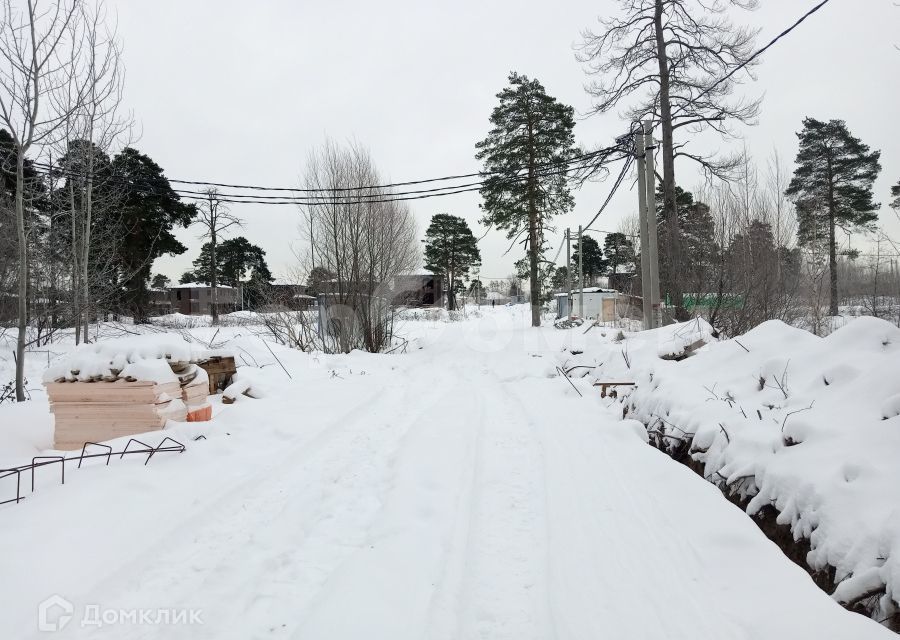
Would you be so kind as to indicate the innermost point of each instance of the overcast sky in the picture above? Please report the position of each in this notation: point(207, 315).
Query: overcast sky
point(239, 92)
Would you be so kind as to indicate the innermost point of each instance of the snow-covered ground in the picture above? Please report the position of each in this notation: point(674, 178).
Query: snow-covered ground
point(462, 489)
point(780, 417)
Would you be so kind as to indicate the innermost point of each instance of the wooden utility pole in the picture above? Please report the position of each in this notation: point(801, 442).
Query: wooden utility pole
point(639, 153)
point(580, 275)
point(649, 147)
point(569, 273)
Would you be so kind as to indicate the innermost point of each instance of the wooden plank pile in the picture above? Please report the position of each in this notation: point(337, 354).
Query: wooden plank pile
point(111, 406)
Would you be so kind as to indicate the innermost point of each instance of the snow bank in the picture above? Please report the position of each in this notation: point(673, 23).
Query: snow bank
point(133, 357)
point(781, 417)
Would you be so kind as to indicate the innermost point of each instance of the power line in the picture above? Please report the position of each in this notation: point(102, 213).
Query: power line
point(612, 191)
point(598, 157)
point(580, 158)
point(756, 54)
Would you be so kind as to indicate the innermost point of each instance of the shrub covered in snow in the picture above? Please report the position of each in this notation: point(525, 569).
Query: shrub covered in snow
point(780, 417)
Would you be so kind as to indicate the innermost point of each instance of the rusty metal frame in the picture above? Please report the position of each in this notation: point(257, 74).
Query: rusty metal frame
point(43, 461)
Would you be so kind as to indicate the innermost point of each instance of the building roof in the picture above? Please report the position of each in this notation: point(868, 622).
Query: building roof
point(594, 290)
point(199, 285)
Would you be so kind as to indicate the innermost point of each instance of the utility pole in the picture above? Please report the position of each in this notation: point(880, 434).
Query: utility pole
point(569, 273)
point(649, 147)
point(477, 286)
point(646, 303)
point(580, 275)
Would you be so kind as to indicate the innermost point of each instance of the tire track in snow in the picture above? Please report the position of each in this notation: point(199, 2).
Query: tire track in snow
point(623, 539)
point(227, 538)
point(446, 602)
point(506, 563)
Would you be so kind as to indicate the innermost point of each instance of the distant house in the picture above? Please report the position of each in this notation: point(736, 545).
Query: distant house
point(160, 302)
point(418, 290)
point(290, 297)
point(195, 298)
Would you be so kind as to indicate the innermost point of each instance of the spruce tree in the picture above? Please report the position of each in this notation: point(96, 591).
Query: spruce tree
point(832, 187)
point(525, 182)
point(619, 251)
point(450, 251)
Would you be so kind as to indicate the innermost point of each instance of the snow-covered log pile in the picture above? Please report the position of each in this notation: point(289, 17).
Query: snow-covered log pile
point(779, 417)
point(124, 387)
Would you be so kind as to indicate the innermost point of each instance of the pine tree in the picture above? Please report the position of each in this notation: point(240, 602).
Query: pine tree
point(593, 264)
point(619, 251)
point(450, 251)
point(160, 281)
point(560, 278)
point(832, 187)
point(895, 193)
point(236, 259)
point(525, 183)
point(150, 210)
point(699, 248)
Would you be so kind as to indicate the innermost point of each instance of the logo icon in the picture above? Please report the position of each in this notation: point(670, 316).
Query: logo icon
point(54, 613)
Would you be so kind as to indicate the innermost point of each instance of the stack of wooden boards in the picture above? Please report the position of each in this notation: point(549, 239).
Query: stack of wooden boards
point(111, 407)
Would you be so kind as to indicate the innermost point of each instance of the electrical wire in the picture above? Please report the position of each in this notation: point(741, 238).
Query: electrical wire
point(547, 165)
point(753, 57)
point(355, 198)
point(612, 191)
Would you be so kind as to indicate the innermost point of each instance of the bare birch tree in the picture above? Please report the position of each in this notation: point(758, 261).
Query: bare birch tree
point(92, 131)
point(36, 41)
point(215, 219)
point(361, 236)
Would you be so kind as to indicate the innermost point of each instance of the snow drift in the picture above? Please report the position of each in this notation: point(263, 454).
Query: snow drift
point(808, 425)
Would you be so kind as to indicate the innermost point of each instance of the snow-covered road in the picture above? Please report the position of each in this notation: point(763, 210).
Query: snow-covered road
point(458, 491)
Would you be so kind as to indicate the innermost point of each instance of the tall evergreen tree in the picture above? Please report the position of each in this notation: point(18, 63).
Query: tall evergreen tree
point(832, 187)
point(450, 251)
point(525, 183)
point(699, 248)
point(895, 194)
point(560, 278)
point(619, 251)
point(236, 260)
point(150, 211)
point(593, 263)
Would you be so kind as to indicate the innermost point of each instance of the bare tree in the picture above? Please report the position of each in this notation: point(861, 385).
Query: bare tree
point(92, 130)
point(364, 238)
point(36, 42)
point(215, 219)
point(670, 55)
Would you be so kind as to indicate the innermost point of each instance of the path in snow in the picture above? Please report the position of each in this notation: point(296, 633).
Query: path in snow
point(456, 492)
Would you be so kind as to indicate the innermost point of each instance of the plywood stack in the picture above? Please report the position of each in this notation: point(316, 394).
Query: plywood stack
point(194, 392)
point(125, 387)
point(97, 411)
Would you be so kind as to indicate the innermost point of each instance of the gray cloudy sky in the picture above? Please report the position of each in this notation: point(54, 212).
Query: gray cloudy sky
point(239, 92)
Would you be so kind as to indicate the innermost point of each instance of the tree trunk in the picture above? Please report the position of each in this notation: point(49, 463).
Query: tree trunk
point(533, 249)
point(86, 239)
point(212, 277)
point(832, 245)
point(670, 211)
point(23, 275)
point(832, 265)
point(451, 295)
point(76, 271)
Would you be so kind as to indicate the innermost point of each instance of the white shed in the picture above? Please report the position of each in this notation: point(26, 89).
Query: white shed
point(599, 303)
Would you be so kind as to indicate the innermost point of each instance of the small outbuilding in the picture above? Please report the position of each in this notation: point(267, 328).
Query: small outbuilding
point(599, 304)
